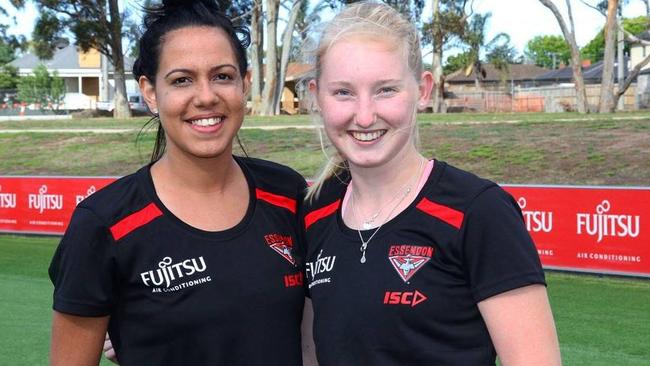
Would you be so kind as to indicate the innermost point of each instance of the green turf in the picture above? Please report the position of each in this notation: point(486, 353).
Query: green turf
point(25, 300)
point(600, 320)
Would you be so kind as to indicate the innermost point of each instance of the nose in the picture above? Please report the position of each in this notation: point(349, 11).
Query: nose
point(365, 115)
point(206, 94)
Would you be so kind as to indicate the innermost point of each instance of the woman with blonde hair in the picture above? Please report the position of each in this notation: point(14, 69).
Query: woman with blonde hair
point(409, 261)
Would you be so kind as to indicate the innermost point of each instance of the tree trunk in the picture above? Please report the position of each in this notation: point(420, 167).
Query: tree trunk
point(271, 64)
point(622, 87)
point(257, 51)
point(620, 45)
point(606, 103)
point(287, 40)
point(576, 66)
point(647, 7)
point(436, 63)
point(122, 109)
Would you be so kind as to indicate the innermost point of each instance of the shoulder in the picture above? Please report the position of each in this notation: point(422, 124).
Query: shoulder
point(269, 175)
point(119, 199)
point(458, 188)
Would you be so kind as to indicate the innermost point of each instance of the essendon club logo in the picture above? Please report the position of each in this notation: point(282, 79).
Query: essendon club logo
point(282, 244)
point(408, 259)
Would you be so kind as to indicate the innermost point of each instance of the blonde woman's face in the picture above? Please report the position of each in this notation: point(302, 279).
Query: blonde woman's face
point(368, 98)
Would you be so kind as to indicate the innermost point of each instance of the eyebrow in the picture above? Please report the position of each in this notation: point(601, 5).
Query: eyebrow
point(379, 82)
point(189, 71)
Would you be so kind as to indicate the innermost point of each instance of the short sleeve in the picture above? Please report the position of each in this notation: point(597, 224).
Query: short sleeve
point(498, 253)
point(83, 267)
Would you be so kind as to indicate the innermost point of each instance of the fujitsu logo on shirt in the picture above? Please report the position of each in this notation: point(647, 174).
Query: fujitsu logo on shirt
point(43, 201)
point(320, 265)
point(536, 221)
point(168, 272)
point(602, 224)
point(7, 200)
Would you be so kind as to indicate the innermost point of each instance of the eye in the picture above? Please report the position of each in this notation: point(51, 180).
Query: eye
point(387, 91)
point(181, 81)
point(341, 93)
point(223, 77)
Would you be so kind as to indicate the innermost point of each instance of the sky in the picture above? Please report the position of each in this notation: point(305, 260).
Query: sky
point(521, 19)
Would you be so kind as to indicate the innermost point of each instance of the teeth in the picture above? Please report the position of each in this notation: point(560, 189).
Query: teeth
point(367, 136)
point(207, 121)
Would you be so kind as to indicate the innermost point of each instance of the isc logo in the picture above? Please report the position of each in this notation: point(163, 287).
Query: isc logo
point(404, 298)
point(292, 280)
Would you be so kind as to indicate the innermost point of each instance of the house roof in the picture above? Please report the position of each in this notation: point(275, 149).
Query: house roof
point(63, 58)
point(518, 72)
point(645, 35)
point(591, 74)
point(296, 71)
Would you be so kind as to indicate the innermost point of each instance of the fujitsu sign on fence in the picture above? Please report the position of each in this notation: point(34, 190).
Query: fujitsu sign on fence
point(43, 205)
point(592, 229)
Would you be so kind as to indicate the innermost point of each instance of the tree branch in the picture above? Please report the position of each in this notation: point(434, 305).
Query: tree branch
point(632, 75)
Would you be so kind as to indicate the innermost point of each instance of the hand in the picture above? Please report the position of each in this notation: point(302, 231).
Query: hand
point(109, 351)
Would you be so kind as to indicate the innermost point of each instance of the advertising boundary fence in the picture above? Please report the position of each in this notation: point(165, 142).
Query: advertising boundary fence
point(594, 229)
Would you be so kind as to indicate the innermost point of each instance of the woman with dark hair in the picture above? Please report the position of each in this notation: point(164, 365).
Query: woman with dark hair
point(190, 260)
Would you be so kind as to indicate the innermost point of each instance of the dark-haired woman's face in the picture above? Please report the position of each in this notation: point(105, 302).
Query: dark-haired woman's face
point(199, 92)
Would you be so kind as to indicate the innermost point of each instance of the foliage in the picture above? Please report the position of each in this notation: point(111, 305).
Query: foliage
point(548, 51)
point(448, 27)
point(41, 88)
point(456, 62)
point(595, 49)
point(8, 77)
point(474, 38)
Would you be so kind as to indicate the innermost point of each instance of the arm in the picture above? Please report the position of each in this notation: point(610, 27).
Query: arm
point(77, 340)
point(521, 326)
point(308, 346)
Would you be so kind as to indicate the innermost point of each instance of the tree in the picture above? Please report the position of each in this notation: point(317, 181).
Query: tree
point(474, 38)
point(576, 65)
point(95, 24)
point(41, 88)
point(446, 26)
point(595, 49)
point(606, 103)
point(456, 62)
point(548, 51)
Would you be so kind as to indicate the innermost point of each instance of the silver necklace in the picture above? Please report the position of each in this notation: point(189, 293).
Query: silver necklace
point(367, 223)
point(364, 243)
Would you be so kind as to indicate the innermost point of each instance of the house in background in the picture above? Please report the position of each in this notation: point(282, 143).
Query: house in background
point(558, 90)
point(638, 52)
point(495, 91)
point(88, 76)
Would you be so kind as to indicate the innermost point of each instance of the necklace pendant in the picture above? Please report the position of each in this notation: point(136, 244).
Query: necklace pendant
point(366, 225)
point(363, 258)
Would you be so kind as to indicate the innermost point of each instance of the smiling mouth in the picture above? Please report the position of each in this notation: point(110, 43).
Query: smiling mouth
point(367, 136)
point(206, 122)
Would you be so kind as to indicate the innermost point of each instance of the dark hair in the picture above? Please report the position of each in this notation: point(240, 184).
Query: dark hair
point(172, 15)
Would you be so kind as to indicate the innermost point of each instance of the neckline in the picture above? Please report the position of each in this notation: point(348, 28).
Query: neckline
point(430, 182)
point(146, 181)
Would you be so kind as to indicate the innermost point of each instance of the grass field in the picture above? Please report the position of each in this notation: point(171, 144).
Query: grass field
point(600, 320)
point(508, 148)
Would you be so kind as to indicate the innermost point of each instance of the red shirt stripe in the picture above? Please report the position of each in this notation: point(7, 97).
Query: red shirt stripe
point(321, 213)
point(277, 200)
point(135, 220)
point(447, 214)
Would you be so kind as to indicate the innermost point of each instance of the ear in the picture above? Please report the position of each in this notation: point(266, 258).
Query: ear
point(148, 91)
point(247, 82)
point(425, 87)
point(312, 86)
